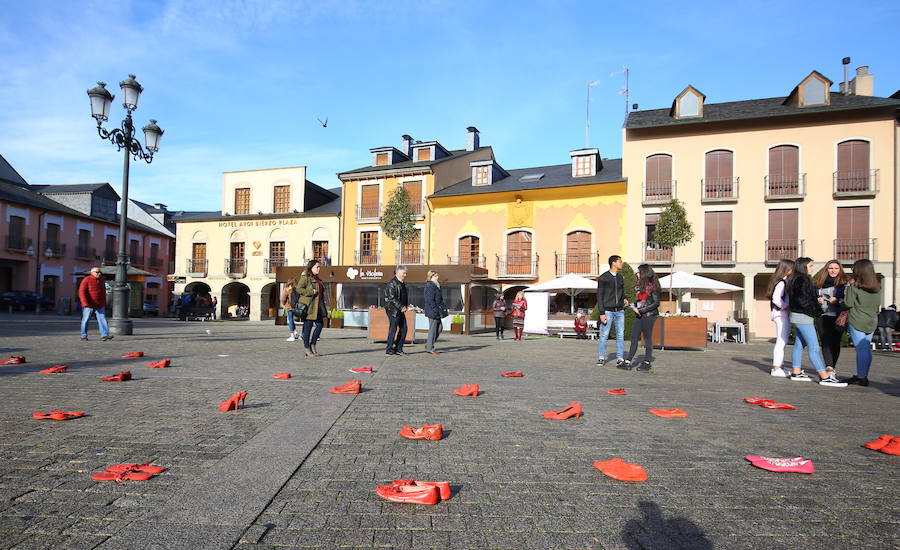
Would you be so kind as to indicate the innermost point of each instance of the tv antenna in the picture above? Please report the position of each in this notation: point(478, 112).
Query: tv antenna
point(625, 90)
point(587, 114)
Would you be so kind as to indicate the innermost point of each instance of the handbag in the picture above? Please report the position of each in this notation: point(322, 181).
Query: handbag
point(841, 320)
point(298, 308)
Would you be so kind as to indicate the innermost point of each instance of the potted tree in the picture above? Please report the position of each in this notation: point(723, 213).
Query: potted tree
point(337, 318)
point(456, 324)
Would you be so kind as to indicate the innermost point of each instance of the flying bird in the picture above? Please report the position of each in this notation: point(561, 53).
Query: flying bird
point(324, 124)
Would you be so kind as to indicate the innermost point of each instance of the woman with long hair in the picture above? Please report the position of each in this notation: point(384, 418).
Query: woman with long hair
point(831, 282)
point(519, 305)
point(312, 295)
point(805, 304)
point(781, 311)
point(435, 310)
point(862, 300)
point(288, 297)
point(499, 309)
point(646, 310)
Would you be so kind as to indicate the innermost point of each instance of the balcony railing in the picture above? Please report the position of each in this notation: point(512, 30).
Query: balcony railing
point(368, 213)
point(783, 249)
point(418, 209)
point(368, 257)
point(155, 261)
point(659, 191)
point(55, 249)
point(410, 255)
point(719, 189)
point(85, 253)
point(274, 263)
point(579, 264)
point(17, 243)
point(779, 187)
point(517, 266)
point(719, 252)
point(196, 267)
point(472, 259)
point(236, 267)
point(137, 259)
point(655, 254)
point(850, 250)
point(855, 183)
point(109, 256)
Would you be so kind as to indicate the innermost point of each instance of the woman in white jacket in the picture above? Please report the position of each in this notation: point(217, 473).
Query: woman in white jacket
point(778, 303)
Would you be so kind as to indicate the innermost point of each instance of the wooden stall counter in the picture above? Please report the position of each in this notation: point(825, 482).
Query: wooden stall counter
point(680, 332)
point(378, 325)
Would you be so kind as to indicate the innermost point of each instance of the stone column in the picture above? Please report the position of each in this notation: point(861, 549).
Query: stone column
point(749, 303)
point(255, 306)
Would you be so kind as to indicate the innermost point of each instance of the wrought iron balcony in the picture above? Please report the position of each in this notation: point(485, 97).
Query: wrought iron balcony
point(137, 259)
point(719, 189)
point(274, 263)
point(17, 243)
point(517, 266)
point(783, 249)
point(109, 256)
point(719, 252)
point(85, 253)
point(55, 249)
point(587, 265)
point(855, 183)
point(368, 213)
point(368, 257)
point(658, 191)
point(848, 251)
point(236, 268)
point(196, 267)
point(410, 255)
point(779, 187)
point(471, 259)
point(418, 209)
point(155, 261)
point(657, 255)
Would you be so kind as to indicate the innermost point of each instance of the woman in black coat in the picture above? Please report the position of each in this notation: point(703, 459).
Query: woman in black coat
point(435, 310)
point(646, 310)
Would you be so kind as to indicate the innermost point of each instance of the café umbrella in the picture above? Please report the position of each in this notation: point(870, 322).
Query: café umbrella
point(570, 283)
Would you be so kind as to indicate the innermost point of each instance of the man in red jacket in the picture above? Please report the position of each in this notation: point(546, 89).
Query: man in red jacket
point(92, 295)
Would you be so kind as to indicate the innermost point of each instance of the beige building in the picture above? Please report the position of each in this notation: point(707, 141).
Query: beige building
point(812, 173)
point(269, 218)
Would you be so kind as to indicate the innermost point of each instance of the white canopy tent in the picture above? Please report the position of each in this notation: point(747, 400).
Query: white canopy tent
point(682, 282)
point(570, 283)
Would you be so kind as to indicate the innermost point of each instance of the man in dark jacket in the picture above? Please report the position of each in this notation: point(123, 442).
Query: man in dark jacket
point(396, 300)
point(611, 303)
point(92, 295)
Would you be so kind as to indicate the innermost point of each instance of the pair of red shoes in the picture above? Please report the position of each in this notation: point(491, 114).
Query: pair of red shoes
point(620, 391)
point(55, 370)
point(14, 360)
point(118, 377)
point(281, 375)
point(352, 387)
point(58, 415)
point(513, 374)
point(769, 403)
point(617, 468)
point(573, 409)
point(886, 444)
point(128, 472)
point(233, 402)
point(161, 364)
point(415, 492)
point(133, 354)
point(467, 390)
point(669, 413)
point(433, 432)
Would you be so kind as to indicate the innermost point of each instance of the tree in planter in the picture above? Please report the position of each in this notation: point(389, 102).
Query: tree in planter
point(673, 229)
point(397, 219)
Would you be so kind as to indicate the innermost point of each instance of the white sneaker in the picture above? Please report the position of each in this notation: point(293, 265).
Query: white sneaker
point(779, 373)
point(291, 338)
point(802, 377)
point(832, 381)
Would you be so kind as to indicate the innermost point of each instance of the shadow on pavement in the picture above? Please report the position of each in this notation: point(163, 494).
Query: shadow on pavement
point(652, 532)
point(758, 364)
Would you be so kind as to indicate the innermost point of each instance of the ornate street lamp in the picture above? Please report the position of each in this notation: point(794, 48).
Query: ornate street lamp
point(123, 138)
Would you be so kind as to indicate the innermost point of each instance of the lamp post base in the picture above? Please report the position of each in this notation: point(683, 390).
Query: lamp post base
point(120, 327)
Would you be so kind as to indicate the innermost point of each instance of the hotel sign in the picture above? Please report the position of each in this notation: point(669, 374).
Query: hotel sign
point(258, 223)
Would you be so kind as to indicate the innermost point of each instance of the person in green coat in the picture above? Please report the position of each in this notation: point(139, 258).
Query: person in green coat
point(863, 300)
point(313, 296)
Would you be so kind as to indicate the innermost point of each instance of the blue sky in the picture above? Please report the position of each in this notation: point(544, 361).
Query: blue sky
point(238, 85)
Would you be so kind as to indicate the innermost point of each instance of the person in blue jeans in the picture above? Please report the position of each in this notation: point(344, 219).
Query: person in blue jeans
point(92, 295)
point(611, 303)
point(862, 299)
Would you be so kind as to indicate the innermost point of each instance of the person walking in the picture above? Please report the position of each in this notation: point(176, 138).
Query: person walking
point(215, 306)
point(805, 304)
point(289, 297)
point(611, 303)
point(862, 300)
point(435, 310)
point(781, 314)
point(396, 301)
point(314, 300)
point(499, 308)
point(519, 307)
point(646, 310)
point(92, 295)
point(887, 320)
point(831, 282)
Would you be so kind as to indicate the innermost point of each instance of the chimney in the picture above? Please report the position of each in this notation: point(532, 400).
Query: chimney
point(160, 206)
point(845, 85)
point(473, 142)
point(863, 83)
point(407, 145)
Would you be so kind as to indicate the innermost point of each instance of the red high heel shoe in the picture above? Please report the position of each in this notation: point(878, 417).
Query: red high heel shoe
point(620, 391)
point(118, 377)
point(133, 354)
point(14, 360)
point(879, 443)
point(467, 390)
point(617, 468)
point(54, 370)
point(443, 486)
point(411, 494)
point(57, 415)
point(513, 374)
point(574, 409)
point(351, 387)
point(120, 476)
point(361, 370)
point(145, 467)
point(772, 405)
point(669, 413)
point(434, 432)
point(161, 364)
point(892, 447)
point(233, 402)
point(281, 375)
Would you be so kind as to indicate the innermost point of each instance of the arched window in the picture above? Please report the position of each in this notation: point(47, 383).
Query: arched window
point(469, 250)
point(658, 178)
point(718, 181)
point(518, 253)
point(853, 172)
point(578, 252)
point(784, 170)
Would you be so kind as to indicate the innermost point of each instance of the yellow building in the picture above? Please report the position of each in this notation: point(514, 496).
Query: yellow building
point(533, 224)
point(812, 173)
point(422, 168)
point(269, 218)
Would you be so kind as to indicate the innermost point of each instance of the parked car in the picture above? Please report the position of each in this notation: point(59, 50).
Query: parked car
point(150, 308)
point(24, 299)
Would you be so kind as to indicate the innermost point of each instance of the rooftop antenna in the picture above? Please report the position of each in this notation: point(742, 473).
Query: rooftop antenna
point(846, 86)
point(587, 114)
point(625, 90)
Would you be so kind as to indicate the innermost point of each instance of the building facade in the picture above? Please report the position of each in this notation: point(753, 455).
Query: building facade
point(270, 218)
point(812, 173)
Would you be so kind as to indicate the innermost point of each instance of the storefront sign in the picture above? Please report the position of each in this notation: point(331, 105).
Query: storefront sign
point(176, 280)
point(258, 223)
point(364, 274)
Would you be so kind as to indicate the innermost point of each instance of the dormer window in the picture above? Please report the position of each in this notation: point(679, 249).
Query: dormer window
point(812, 91)
point(382, 159)
point(585, 162)
point(384, 156)
point(482, 175)
point(423, 153)
point(689, 103)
